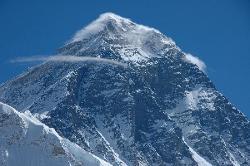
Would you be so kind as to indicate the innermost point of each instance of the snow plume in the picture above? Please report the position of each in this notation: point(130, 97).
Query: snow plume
point(68, 58)
point(97, 26)
point(195, 60)
point(122, 25)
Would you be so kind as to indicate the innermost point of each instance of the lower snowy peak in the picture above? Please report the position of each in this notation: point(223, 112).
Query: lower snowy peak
point(25, 141)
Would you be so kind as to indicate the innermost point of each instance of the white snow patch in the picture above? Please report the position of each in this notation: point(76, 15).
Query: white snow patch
point(133, 54)
point(231, 156)
point(200, 160)
point(198, 98)
point(192, 98)
point(233, 160)
point(107, 133)
point(109, 93)
point(116, 155)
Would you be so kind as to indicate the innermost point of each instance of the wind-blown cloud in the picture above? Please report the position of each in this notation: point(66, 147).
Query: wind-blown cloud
point(195, 60)
point(67, 58)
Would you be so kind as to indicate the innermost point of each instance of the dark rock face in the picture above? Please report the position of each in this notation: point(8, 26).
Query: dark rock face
point(159, 110)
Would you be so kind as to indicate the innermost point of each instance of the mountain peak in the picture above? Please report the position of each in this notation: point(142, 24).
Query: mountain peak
point(134, 42)
point(103, 21)
point(113, 23)
point(112, 16)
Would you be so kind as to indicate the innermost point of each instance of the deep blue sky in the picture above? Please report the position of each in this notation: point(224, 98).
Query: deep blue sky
point(217, 31)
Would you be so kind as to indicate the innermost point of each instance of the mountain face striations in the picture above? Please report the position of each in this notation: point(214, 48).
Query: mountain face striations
point(140, 102)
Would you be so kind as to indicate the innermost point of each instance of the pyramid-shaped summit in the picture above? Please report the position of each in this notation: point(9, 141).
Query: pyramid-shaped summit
point(160, 110)
point(107, 21)
point(119, 36)
point(111, 23)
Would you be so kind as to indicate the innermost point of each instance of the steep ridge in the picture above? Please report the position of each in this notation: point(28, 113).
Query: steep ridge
point(161, 109)
point(26, 141)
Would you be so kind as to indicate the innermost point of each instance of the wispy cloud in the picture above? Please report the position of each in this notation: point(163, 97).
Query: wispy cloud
point(195, 60)
point(67, 58)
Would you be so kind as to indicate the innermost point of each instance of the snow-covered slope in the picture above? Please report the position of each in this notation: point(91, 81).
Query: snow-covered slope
point(161, 109)
point(25, 141)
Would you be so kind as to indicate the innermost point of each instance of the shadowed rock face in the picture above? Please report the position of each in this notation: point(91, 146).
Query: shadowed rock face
point(160, 110)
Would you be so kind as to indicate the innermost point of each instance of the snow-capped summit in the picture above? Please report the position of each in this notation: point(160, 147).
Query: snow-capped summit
point(160, 110)
point(111, 22)
point(104, 20)
point(133, 42)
